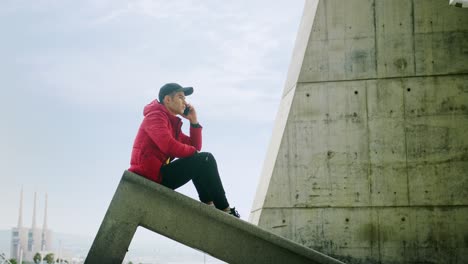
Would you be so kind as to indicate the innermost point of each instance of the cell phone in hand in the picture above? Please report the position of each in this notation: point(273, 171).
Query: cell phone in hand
point(186, 111)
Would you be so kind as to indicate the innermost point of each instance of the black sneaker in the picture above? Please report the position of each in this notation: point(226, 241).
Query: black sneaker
point(233, 212)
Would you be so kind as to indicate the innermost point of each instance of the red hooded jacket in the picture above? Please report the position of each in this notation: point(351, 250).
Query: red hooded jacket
point(160, 138)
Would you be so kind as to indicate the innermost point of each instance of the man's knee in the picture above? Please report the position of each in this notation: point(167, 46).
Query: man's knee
point(206, 157)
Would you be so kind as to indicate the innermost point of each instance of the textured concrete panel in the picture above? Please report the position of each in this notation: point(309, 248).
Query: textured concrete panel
point(439, 95)
point(389, 185)
point(341, 45)
point(387, 151)
point(432, 16)
point(317, 146)
point(437, 139)
point(439, 183)
point(394, 27)
point(385, 99)
point(440, 38)
point(376, 235)
point(387, 148)
point(346, 229)
point(441, 53)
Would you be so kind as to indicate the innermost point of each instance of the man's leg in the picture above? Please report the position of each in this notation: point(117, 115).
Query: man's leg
point(202, 169)
point(178, 173)
point(209, 176)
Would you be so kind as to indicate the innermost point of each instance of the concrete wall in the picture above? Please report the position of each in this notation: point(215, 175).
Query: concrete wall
point(369, 158)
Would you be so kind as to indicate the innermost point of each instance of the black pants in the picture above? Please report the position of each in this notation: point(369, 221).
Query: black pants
point(202, 169)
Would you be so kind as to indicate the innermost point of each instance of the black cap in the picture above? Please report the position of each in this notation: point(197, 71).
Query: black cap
point(169, 88)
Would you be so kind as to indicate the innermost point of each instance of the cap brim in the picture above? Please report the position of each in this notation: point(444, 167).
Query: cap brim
point(187, 90)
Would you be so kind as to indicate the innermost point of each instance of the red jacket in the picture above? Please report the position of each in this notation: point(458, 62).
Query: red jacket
point(160, 138)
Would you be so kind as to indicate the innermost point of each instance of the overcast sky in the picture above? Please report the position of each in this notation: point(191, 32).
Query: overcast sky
point(75, 76)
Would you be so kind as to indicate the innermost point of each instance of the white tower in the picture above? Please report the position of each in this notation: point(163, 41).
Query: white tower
point(26, 242)
point(18, 234)
point(31, 232)
point(34, 212)
point(34, 235)
point(45, 236)
point(20, 213)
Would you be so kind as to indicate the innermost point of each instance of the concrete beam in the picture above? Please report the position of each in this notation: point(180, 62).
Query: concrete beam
point(140, 202)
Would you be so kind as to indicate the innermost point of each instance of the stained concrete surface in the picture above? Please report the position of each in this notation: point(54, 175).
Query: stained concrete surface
point(368, 161)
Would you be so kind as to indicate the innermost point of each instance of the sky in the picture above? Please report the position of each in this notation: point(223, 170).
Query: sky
point(75, 76)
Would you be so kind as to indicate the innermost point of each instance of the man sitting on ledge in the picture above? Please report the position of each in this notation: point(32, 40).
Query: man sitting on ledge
point(160, 140)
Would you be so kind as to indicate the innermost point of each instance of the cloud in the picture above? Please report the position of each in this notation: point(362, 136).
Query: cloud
point(95, 81)
point(119, 53)
point(153, 9)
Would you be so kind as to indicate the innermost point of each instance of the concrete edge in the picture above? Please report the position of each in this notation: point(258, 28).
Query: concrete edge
point(219, 216)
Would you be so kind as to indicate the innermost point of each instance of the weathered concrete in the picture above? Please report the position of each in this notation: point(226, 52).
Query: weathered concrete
point(140, 202)
point(368, 161)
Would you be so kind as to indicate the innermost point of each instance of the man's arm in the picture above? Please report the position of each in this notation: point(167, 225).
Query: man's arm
point(157, 127)
point(195, 138)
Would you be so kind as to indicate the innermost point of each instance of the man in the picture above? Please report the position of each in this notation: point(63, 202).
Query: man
point(160, 140)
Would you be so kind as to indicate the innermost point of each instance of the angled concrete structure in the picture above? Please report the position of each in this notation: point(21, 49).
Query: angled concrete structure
point(369, 156)
point(140, 202)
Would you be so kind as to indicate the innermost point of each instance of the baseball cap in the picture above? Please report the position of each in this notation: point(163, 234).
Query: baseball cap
point(169, 88)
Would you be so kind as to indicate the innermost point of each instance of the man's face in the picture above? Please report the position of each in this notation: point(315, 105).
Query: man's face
point(175, 104)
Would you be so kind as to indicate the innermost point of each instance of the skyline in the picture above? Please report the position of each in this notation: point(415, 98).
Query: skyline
point(35, 212)
point(77, 76)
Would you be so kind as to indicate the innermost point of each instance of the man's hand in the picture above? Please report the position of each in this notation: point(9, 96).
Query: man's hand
point(192, 115)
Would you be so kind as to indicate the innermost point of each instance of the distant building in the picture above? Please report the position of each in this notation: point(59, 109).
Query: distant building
point(26, 242)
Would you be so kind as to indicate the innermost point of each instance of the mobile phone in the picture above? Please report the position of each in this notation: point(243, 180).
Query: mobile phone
point(186, 111)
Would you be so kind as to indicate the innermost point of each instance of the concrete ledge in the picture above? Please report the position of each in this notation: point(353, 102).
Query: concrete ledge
point(140, 202)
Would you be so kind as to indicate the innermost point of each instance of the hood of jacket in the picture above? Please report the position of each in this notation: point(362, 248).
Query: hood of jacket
point(155, 106)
